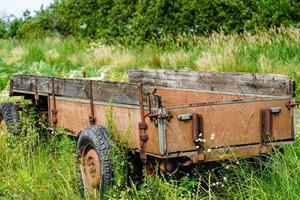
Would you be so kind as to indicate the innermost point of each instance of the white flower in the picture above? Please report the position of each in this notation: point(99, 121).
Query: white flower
point(225, 178)
point(208, 150)
point(83, 26)
point(212, 137)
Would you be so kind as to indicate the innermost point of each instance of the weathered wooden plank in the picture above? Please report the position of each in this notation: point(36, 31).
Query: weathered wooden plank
point(246, 83)
point(114, 92)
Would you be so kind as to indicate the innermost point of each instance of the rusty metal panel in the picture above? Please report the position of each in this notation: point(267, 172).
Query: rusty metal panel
point(73, 114)
point(172, 96)
point(228, 125)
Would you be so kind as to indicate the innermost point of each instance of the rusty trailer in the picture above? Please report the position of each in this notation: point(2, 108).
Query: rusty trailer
point(176, 118)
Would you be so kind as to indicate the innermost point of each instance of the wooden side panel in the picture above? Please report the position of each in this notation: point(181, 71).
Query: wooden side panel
point(228, 124)
point(73, 115)
point(115, 92)
point(265, 84)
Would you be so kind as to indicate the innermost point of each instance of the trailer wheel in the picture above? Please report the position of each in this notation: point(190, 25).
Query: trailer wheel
point(93, 151)
point(9, 113)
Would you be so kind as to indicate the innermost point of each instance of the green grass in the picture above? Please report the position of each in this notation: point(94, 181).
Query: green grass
point(35, 166)
point(39, 165)
point(275, 51)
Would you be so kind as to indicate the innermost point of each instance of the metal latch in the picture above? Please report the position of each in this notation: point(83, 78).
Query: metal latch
point(275, 110)
point(267, 123)
point(197, 127)
point(184, 117)
point(292, 104)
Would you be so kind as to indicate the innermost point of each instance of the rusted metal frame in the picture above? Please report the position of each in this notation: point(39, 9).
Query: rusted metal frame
point(96, 102)
point(36, 92)
point(92, 118)
point(267, 124)
point(266, 120)
point(11, 88)
point(220, 92)
point(293, 88)
point(291, 106)
point(162, 131)
point(204, 156)
point(226, 102)
point(53, 111)
point(292, 103)
point(142, 125)
point(163, 115)
point(197, 126)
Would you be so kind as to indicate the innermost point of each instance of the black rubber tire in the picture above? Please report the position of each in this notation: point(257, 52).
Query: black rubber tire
point(9, 113)
point(96, 136)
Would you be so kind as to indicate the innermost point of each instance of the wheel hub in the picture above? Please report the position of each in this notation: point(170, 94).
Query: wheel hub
point(90, 169)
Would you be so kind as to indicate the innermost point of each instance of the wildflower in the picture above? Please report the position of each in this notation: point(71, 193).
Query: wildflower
point(201, 140)
point(225, 178)
point(212, 137)
point(83, 26)
point(208, 150)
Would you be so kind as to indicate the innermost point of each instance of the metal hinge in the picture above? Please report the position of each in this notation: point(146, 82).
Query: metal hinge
point(292, 104)
point(155, 116)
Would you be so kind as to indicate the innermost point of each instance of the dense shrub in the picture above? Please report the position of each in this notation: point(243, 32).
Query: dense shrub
point(2, 29)
point(142, 20)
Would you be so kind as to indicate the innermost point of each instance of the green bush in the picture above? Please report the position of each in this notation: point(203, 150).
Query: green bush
point(143, 20)
point(2, 29)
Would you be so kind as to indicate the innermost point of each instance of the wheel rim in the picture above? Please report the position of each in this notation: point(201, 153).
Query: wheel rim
point(90, 169)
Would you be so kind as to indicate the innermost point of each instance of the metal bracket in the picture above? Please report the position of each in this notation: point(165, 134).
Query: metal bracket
point(155, 116)
point(92, 117)
point(267, 123)
point(293, 103)
point(11, 88)
point(54, 111)
point(142, 125)
point(161, 129)
point(197, 127)
point(293, 88)
point(266, 117)
point(36, 94)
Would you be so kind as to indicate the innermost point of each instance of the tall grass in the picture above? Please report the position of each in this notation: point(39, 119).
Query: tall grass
point(35, 164)
point(273, 51)
point(38, 165)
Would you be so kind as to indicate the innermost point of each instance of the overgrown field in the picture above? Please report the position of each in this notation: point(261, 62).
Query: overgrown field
point(37, 165)
point(275, 51)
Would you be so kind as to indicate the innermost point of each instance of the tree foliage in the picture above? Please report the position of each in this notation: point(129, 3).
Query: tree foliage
point(142, 20)
point(2, 29)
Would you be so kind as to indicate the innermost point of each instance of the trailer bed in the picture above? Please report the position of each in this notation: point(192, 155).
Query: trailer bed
point(199, 116)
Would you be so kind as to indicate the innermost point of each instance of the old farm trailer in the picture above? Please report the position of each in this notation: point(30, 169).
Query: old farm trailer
point(175, 118)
